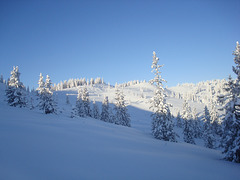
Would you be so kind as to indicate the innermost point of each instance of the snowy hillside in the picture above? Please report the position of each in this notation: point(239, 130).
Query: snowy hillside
point(137, 98)
point(39, 146)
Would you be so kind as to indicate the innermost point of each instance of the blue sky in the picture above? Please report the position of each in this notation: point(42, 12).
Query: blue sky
point(115, 39)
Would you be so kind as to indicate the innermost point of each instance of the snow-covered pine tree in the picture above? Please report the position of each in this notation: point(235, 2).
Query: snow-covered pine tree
point(86, 102)
point(216, 126)
point(79, 108)
point(105, 110)
point(188, 130)
point(179, 120)
point(15, 91)
point(162, 125)
point(111, 115)
point(228, 106)
point(41, 84)
point(121, 115)
point(232, 143)
point(236, 69)
point(208, 135)
point(196, 124)
point(48, 83)
point(91, 81)
point(232, 148)
point(46, 102)
point(228, 101)
point(95, 113)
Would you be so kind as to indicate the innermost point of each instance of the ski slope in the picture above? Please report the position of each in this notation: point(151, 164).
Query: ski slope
point(39, 146)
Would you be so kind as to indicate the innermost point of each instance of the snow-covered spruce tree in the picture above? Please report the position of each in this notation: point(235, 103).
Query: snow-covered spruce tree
point(208, 135)
point(216, 126)
point(196, 124)
point(95, 113)
point(162, 125)
point(179, 120)
point(236, 69)
point(41, 84)
point(232, 148)
point(121, 115)
point(79, 108)
point(228, 106)
point(232, 143)
point(86, 102)
point(228, 103)
point(188, 129)
point(46, 102)
point(15, 91)
point(92, 82)
point(105, 110)
point(111, 115)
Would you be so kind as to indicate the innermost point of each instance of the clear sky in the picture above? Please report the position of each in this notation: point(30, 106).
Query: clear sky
point(115, 39)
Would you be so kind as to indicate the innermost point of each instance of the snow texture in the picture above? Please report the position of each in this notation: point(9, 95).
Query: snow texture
point(39, 146)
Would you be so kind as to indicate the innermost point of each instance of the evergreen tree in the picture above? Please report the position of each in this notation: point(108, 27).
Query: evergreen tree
point(15, 91)
point(162, 125)
point(112, 118)
point(216, 127)
point(208, 135)
point(95, 110)
point(232, 148)
point(179, 120)
point(79, 108)
point(86, 102)
point(48, 83)
point(105, 110)
point(228, 101)
point(236, 69)
point(196, 124)
point(121, 115)
point(91, 81)
point(46, 102)
point(188, 130)
point(232, 117)
point(41, 84)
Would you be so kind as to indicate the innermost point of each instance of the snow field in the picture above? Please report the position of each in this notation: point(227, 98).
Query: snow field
point(39, 146)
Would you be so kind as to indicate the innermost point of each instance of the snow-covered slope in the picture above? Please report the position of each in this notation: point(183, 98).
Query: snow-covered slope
point(39, 146)
point(137, 99)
